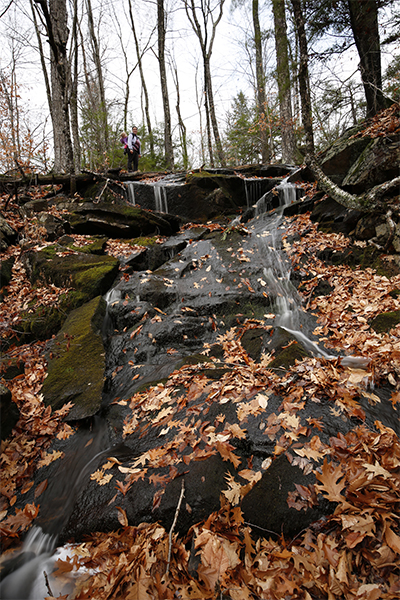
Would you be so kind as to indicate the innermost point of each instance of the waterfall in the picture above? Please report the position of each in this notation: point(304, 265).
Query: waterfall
point(23, 574)
point(130, 190)
point(33, 561)
point(277, 271)
point(252, 190)
point(282, 195)
point(111, 297)
point(277, 267)
point(160, 197)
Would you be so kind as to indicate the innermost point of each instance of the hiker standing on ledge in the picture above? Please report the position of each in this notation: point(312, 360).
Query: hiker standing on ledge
point(133, 150)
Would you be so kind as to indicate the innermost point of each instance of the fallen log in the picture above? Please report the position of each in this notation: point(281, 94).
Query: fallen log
point(70, 183)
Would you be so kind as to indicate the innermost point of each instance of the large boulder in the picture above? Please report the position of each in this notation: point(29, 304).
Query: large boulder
point(119, 220)
point(180, 407)
point(76, 362)
point(5, 273)
point(85, 275)
point(365, 155)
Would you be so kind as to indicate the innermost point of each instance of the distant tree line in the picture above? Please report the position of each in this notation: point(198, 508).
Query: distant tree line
point(289, 112)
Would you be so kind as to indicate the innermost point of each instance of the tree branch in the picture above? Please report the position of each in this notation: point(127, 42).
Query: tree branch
point(368, 202)
point(173, 526)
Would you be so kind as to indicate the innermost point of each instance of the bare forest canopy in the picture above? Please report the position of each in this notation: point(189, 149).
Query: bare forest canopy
point(216, 84)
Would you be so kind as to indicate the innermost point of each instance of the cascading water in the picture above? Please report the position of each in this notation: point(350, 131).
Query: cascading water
point(160, 197)
point(111, 297)
point(27, 575)
point(25, 579)
point(287, 304)
point(130, 191)
point(253, 190)
point(283, 194)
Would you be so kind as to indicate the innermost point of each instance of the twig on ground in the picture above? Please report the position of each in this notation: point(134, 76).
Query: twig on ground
point(173, 526)
point(48, 584)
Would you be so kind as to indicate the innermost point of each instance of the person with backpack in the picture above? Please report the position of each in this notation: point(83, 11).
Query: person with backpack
point(133, 150)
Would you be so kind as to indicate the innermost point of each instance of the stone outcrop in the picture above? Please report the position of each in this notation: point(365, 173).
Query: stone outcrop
point(8, 235)
point(168, 328)
point(76, 362)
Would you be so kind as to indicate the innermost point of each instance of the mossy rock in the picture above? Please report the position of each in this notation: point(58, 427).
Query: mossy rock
point(40, 323)
point(9, 412)
point(76, 362)
point(386, 321)
point(89, 274)
point(252, 342)
point(341, 155)
point(11, 367)
point(287, 356)
point(143, 241)
point(358, 257)
point(95, 244)
point(120, 221)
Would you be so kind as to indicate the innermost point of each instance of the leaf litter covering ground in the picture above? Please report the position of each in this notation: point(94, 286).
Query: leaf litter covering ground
point(353, 554)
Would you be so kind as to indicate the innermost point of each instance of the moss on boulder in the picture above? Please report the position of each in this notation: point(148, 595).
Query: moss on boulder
point(288, 356)
point(89, 274)
point(386, 321)
point(77, 362)
point(95, 245)
point(5, 274)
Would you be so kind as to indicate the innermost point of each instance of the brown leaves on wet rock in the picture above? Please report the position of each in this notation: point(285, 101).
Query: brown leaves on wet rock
point(353, 554)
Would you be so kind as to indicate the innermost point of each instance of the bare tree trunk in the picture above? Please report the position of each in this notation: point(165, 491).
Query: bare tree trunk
point(100, 79)
point(203, 34)
point(74, 92)
point(211, 107)
point(9, 92)
point(304, 80)
point(198, 102)
point(364, 24)
point(169, 152)
point(283, 76)
point(56, 23)
point(208, 128)
point(260, 82)
point(139, 55)
point(181, 124)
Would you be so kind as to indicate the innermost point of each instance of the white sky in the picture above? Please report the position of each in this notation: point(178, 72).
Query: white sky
point(229, 63)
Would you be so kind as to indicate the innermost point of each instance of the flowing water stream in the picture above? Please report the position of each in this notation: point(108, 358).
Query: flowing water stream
point(30, 570)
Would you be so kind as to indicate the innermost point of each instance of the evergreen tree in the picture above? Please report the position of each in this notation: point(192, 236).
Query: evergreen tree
point(243, 145)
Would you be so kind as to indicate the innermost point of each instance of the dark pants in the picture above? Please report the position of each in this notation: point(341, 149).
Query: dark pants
point(133, 160)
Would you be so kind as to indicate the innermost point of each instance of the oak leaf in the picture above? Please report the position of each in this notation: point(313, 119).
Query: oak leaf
point(332, 482)
point(226, 453)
